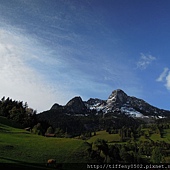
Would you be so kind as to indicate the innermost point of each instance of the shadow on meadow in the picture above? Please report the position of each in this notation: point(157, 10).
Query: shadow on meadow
point(21, 165)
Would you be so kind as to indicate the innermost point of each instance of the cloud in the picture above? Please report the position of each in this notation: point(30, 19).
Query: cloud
point(145, 61)
point(168, 81)
point(165, 77)
point(23, 70)
point(162, 75)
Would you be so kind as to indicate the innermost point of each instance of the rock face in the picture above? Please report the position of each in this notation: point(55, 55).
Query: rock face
point(56, 106)
point(76, 105)
point(95, 101)
point(117, 99)
point(118, 96)
point(95, 104)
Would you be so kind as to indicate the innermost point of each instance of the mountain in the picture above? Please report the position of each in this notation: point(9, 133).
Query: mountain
point(119, 100)
point(118, 110)
point(76, 106)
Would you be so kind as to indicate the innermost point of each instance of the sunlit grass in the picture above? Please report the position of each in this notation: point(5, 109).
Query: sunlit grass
point(106, 136)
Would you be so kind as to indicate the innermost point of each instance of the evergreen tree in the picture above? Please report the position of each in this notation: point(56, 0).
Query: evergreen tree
point(156, 155)
point(50, 130)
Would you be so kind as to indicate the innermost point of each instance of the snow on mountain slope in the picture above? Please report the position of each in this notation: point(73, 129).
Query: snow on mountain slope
point(119, 100)
point(131, 111)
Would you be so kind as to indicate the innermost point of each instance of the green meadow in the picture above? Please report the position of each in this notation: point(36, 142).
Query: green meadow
point(156, 137)
point(110, 138)
point(17, 146)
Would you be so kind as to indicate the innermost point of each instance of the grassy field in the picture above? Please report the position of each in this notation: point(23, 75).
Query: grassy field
point(157, 137)
point(106, 136)
point(20, 146)
point(166, 135)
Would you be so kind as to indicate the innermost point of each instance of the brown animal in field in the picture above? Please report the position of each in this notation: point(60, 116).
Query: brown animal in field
point(51, 162)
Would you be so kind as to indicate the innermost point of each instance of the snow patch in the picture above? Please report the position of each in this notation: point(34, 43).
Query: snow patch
point(131, 112)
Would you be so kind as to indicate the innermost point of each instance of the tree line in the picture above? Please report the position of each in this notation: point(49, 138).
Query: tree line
point(18, 112)
point(131, 152)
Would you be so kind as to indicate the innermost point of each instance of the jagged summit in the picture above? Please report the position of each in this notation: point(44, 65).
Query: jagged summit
point(56, 106)
point(75, 100)
point(118, 96)
point(92, 101)
point(76, 105)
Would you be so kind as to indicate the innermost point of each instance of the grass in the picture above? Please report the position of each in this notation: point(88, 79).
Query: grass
point(166, 135)
point(106, 136)
point(20, 146)
point(156, 137)
point(113, 138)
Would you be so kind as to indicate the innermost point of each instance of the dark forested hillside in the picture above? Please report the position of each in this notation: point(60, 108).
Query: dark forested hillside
point(76, 125)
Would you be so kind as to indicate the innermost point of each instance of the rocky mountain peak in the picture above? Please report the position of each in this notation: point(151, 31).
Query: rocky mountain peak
point(55, 106)
point(118, 97)
point(76, 105)
point(75, 100)
point(95, 101)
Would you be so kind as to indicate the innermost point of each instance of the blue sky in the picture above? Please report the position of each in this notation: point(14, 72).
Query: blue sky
point(53, 50)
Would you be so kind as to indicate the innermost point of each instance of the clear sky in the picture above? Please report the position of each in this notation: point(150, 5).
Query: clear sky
point(53, 50)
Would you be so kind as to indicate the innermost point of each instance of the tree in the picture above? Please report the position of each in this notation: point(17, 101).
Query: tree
point(15, 114)
point(18, 112)
point(50, 130)
point(156, 155)
point(114, 153)
point(59, 132)
point(101, 147)
point(25, 105)
point(127, 157)
point(37, 129)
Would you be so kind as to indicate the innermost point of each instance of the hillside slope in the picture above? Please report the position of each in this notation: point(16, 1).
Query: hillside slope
point(23, 149)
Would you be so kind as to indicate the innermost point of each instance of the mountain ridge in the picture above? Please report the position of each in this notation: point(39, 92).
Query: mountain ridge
point(78, 116)
point(117, 100)
point(130, 104)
